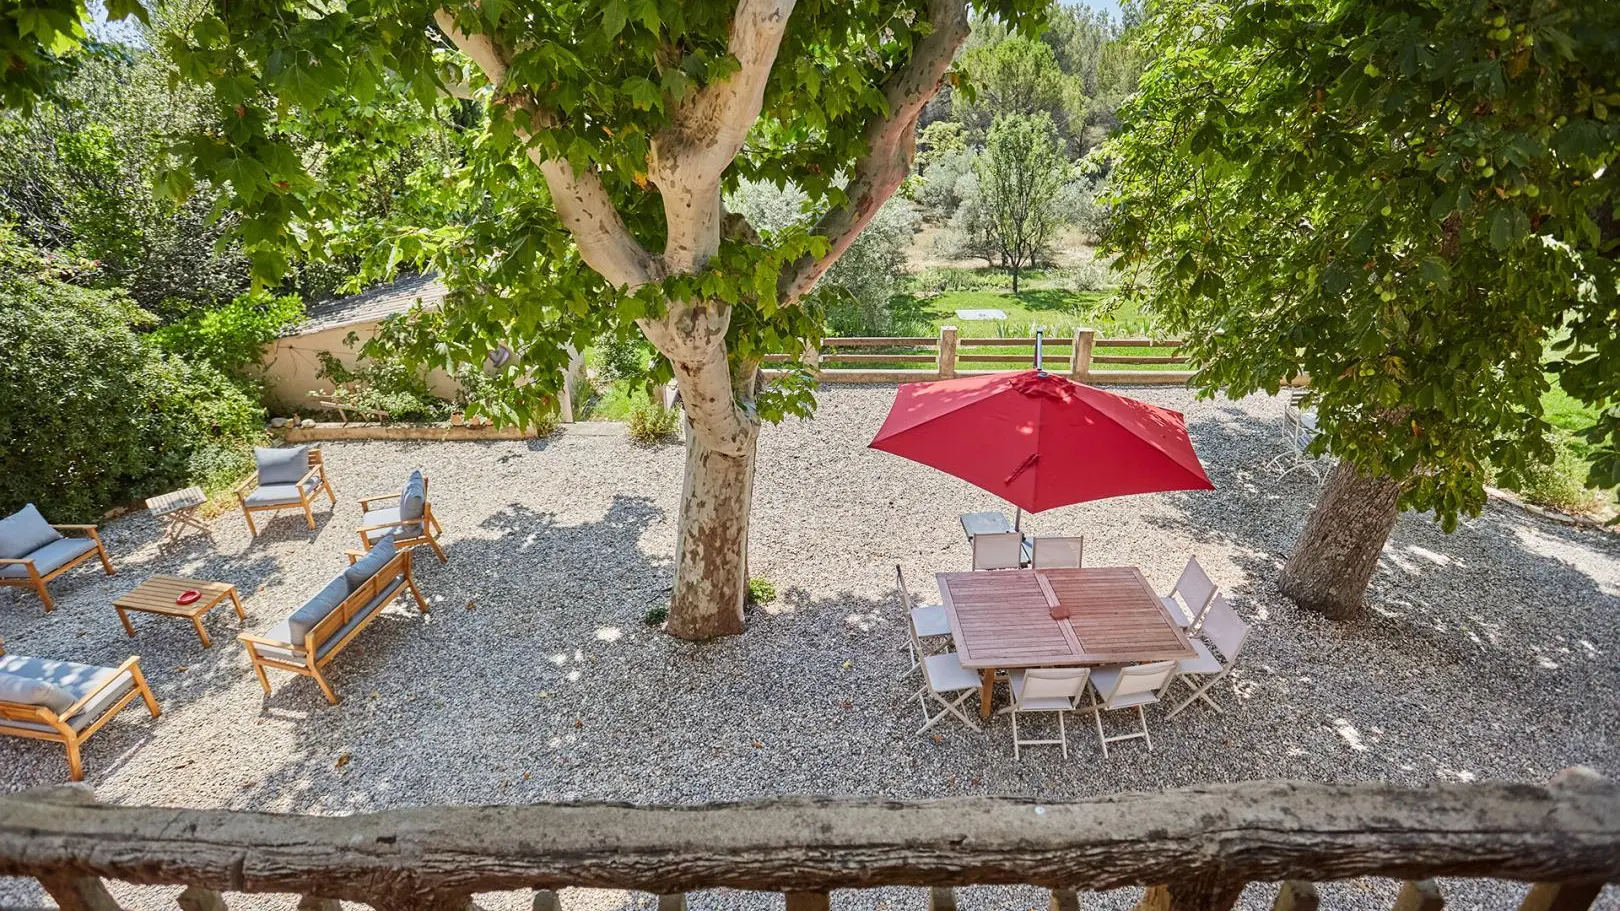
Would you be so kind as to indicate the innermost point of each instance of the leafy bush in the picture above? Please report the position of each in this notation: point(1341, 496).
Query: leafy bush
point(233, 337)
point(656, 615)
point(761, 591)
point(384, 385)
point(651, 422)
point(90, 413)
point(1560, 484)
point(622, 358)
point(943, 183)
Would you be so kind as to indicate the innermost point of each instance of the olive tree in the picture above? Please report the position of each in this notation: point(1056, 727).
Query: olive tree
point(1410, 203)
point(1021, 175)
point(589, 197)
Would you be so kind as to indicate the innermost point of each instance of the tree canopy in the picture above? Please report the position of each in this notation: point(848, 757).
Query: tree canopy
point(1411, 203)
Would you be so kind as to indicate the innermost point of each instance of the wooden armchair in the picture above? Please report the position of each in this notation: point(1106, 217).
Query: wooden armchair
point(42, 553)
point(407, 532)
point(99, 693)
point(257, 496)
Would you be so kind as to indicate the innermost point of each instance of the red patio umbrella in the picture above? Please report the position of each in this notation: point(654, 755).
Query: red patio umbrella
point(1040, 441)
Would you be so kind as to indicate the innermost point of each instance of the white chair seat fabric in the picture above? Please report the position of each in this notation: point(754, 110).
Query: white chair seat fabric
point(1205, 663)
point(1177, 614)
point(930, 620)
point(946, 674)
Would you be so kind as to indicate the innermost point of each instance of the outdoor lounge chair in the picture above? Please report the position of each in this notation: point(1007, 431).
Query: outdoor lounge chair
point(1128, 687)
point(923, 621)
point(310, 637)
point(1049, 689)
point(284, 479)
point(410, 521)
point(33, 551)
point(66, 702)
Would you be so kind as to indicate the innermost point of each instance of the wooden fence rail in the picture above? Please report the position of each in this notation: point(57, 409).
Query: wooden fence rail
point(1194, 848)
point(945, 354)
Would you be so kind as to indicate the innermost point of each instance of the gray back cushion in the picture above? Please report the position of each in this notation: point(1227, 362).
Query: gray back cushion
point(413, 497)
point(24, 532)
point(368, 566)
point(282, 466)
point(315, 609)
point(33, 691)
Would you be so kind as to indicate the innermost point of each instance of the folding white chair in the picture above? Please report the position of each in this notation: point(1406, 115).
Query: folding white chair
point(1054, 552)
point(944, 675)
point(1298, 430)
point(1002, 550)
point(923, 621)
point(1053, 689)
point(1126, 687)
point(1196, 589)
point(1227, 632)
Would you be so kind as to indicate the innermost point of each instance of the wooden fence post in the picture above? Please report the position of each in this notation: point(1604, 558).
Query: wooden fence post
point(1080, 357)
point(1419, 895)
point(947, 352)
point(1297, 895)
point(1561, 896)
point(812, 358)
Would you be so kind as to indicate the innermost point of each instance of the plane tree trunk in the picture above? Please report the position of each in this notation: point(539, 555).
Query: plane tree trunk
point(1334, 559)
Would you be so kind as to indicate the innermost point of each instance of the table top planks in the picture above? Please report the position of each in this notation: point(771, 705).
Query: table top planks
point(156, 596)
point(1003, 618)
point(185, 498)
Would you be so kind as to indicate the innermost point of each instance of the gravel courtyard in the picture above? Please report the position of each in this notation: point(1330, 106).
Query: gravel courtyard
point(1491, 653)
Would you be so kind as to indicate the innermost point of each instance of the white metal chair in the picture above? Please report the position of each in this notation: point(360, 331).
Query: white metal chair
point(944, 675)
point(1055, 690)
point(1127, 687)
point(1225, 630)
point(923, 621)
point(1298, 430)
point(1002, 550)
point(1196, 590)
point(1054, 552)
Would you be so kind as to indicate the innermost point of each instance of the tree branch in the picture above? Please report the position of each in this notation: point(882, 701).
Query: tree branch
point(890, 143)
point(689, 156)
point(582, 202)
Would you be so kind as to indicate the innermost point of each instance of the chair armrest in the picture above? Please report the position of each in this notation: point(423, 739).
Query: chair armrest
point(15, 560)
point(247, 484)
point(317, 469)
point(354, 556)
point(128, 665)
point(365, 502)
point(251, 640)
point(400, 524)
point(73, 527)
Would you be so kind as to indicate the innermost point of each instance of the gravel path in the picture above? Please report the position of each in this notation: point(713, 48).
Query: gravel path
point(1491, 653)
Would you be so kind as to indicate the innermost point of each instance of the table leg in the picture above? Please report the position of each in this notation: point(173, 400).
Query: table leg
point(987, 690)
point(124, 618)
point(201, 633)
point(237, 603)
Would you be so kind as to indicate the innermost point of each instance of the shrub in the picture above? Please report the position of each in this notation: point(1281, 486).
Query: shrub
point(650, 422)
point(385, 385)
point(1560, 484)
point(232, 338)
point(656, 615)
point(91, 414)
point(761, 591)
point(622, 357)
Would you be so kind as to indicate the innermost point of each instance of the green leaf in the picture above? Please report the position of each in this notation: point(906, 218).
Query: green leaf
point(614, 14)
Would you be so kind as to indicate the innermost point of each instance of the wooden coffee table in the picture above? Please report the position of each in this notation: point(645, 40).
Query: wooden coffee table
point(156, 596)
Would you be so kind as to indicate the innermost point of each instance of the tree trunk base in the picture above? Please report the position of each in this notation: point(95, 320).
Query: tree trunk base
point(1334, 560)
point(711, 562)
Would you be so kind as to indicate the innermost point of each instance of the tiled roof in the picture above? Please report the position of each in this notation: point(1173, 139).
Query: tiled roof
point(373, 304)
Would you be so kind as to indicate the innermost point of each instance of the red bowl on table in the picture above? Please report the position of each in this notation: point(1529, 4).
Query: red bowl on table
point(189, 596)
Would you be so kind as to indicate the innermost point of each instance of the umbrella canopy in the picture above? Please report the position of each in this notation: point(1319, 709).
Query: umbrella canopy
point(1041, 441)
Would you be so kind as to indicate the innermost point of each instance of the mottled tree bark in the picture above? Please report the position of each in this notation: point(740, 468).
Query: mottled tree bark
point(1335, 557)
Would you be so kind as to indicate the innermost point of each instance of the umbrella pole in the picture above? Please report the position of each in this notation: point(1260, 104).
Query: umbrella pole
point(1038, 350)
point(1018, 518)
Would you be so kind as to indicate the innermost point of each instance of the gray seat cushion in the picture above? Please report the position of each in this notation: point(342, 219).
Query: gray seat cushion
point(281, 633)
point(369, 565)
point(387, 515)
point(280, 494)
point(77, 680)
point(34, 691)
point(413, 496)
point(304, 619)
point(281, 466)
point(50, 558)
point(24, 532)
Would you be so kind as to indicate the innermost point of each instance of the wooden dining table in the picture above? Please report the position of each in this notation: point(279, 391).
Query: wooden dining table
point(1019, 618)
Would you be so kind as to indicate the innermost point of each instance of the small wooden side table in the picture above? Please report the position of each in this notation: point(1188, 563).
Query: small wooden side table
point(156, 596)
point(178, 510)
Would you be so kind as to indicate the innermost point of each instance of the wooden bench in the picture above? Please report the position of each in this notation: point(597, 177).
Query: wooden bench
point(255, 498)
point(99, 693)
point(336, 630)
